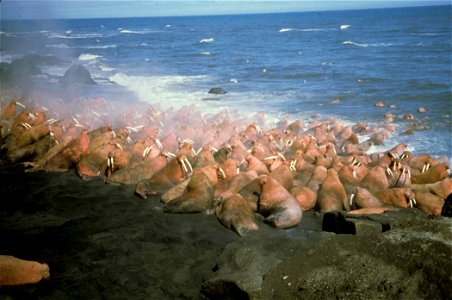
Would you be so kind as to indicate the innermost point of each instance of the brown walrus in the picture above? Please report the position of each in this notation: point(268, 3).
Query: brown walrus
point(307, 195)
point(173, 173)
point(435, 173)
point(135, 174)
point(332, 195)
point(429, 203)
point(362, 198)
point(198, 195)
point(441, 188)
point(401, 197)
point(376, 179)
point(235, 213)
point(15, 271)
point(277, 205)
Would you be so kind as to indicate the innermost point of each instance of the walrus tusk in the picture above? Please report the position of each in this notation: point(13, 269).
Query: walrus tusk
point(32, 116)
point(214, 149)
point(292, 165)
point(51, 121)
point(238, 170)
point(20, 104)
point(187, 141)
point(194, 152)
point(184, 166)
point(423, 168)
point(159, 144)
point(169, 154)
point(258, 128)
point(199, 150)
point(188, 163)
point(352, 196)
point(388, 170)
point(95, 113)
point(119, 146)
point(113, 133)
point(129, 140)
point(271, 157)
point(222, 173)
point(26, 125)
point(412, 202)
point(76, 121)
point(79, 125)
point(282, 156)
point(354, 174)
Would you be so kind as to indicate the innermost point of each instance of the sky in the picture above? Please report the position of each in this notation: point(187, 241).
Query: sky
point(64, 9)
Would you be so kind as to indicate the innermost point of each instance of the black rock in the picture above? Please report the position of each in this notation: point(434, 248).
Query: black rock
point(217, 91)
point(447, 207)
point(77, 74)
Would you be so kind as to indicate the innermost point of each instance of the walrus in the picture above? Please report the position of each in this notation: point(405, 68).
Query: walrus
point(133, 175)
point(435, 173)
point(235, 213)
point(372, 210)
point(173, 173)
point(31, 152)
point(441, 188)
point(253, 163)
point(429, 203)
point(65, 157)
point(332, 195)
point(284, 176)
point(204, 157)
point(32, 135)
point(401, 197)
point(198, 194)
point(15, 271)
point(376, 179)
point(307, 195)
point(277, 205)
point(362, 198)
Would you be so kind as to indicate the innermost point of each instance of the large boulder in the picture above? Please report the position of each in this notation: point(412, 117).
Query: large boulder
point(217, 91)
point(77, 74)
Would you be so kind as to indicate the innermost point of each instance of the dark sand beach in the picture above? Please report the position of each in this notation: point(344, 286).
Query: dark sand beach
point(102, 242)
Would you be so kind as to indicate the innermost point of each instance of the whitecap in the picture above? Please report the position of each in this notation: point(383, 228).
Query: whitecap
point(207, 40)
point(285, 29)
point(59, 46)
point(233, 80)
point(101, 47)
point(88, 57)
point(367, 45)
point(134, 31)
point(75, 36)
point(106, 69)
point(344, 27)
point(205, 53)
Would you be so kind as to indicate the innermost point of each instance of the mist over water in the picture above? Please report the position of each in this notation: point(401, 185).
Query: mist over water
point(288, 65)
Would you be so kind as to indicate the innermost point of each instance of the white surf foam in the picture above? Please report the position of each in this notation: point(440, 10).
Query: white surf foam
point(285, 29)
point(101, 46)
point(345, 27)
point(53, 35)
point(166, 91)
point(88, 57)
point(205, 53)
point(134, 31)
point(207, 40)
point(365, 45)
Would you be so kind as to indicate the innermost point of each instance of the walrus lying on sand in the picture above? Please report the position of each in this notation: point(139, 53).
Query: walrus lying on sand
point(15, 271)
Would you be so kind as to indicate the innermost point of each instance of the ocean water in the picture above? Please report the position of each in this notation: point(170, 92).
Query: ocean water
point(290, 65)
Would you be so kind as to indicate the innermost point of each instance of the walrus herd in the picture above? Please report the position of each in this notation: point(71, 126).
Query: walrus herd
point(245, 172)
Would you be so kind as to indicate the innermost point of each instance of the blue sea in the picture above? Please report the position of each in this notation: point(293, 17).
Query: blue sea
point(290, 65)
